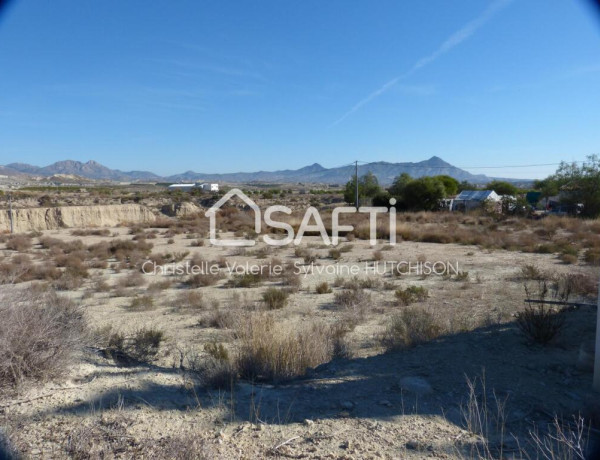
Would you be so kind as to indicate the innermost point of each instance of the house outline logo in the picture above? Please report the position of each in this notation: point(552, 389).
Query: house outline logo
point(212, 215)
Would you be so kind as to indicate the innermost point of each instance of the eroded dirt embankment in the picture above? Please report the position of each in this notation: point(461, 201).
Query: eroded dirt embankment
point(28, 219)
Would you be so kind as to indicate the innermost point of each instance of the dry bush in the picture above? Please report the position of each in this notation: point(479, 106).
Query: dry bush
point(410, 327)
point(219, 318)
point(15, 270)
point(145, 343)
point(462, 276)
point(70, 280)
point(592, 256)
point(339, 281)
point(142, 345)
point(161, 285)
point(309, 258)
point(141, 303)
point(323, 288)
point(346, 248)
point(40, 334)
point(568, 259)
point(215, 369)
point(275, 299)
point(20, 243)
point(101, 286)
point(292, 280)
point(134, 279)
point(362, 283)
point(335, 253)
point(189, 300)
point(576, 283)
point(48, 242)
point(411, 294)
point(281, 351)
point(91, 232)
point(540, 323)
point(354, 302)
point(204, 279)
point(377, 255)
point(532, 272)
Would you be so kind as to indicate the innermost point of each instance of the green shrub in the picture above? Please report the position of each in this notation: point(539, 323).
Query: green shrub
point(410, 327)
point(411, 294)
point(245, 280)
point(274, 298)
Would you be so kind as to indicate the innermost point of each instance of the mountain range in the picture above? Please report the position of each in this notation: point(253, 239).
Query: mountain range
point(315, 173)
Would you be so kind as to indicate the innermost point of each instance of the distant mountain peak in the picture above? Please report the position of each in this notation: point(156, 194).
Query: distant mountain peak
point(314, 173)
point(437, 161)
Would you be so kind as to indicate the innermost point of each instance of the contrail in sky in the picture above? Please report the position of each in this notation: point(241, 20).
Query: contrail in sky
point(450, 43)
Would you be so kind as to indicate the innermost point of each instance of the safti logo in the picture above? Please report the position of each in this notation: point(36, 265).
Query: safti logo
point(312, 214)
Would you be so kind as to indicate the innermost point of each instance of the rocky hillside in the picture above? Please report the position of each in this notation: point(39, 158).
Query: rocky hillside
point(315, 173)
point(29, 219)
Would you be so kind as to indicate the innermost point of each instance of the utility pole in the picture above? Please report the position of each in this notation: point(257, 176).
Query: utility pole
point(356, 184)
point(10, 212)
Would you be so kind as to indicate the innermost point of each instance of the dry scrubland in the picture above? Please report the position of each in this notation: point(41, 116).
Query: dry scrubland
point(98, 360)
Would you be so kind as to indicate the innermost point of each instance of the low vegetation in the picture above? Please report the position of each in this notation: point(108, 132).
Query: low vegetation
point(40, 335)
point(411, 326)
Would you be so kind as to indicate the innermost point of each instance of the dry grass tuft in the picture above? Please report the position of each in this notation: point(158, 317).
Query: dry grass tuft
point(279, 351)
point(323, 288)
point(410, 327)
point(40, 334)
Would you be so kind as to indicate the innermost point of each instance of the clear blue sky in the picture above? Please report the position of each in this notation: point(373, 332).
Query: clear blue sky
point(224, 86)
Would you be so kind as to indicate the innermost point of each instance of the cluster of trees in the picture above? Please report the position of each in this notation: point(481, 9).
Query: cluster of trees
point(576, 185)
point(411, 194)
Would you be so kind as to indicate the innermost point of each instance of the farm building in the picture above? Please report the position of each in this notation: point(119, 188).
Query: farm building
point(473, 199)
point(204, 186)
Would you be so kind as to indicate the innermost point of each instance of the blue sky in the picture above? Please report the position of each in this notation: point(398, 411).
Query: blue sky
point(223, 86)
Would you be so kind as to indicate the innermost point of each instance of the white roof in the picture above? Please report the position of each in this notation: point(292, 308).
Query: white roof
point(477, 195)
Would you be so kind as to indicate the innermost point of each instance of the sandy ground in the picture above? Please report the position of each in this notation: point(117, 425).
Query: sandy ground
point(401, 404)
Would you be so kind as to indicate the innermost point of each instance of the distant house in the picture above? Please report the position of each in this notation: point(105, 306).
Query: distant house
point(473, 199)
point(195, 186)
point(183, 187)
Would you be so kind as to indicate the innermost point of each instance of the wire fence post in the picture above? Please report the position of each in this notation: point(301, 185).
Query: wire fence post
point(597, 349)
point(10, 213)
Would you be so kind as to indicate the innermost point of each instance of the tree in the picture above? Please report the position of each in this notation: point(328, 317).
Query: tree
point(502, 187)
point(581, 185)
point(400, 182)
point(450, 184)
point(466, 185)
point(424, 194)
point(547, 187)
point(368, 187)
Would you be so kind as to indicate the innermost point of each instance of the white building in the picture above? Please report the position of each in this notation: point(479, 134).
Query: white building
point(197, 185)
point(473, 199)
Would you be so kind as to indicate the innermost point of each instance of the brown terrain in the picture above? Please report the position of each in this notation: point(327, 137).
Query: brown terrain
point(315, 361)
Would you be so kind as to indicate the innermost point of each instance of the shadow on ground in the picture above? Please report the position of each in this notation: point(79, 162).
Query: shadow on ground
point(536, 383)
